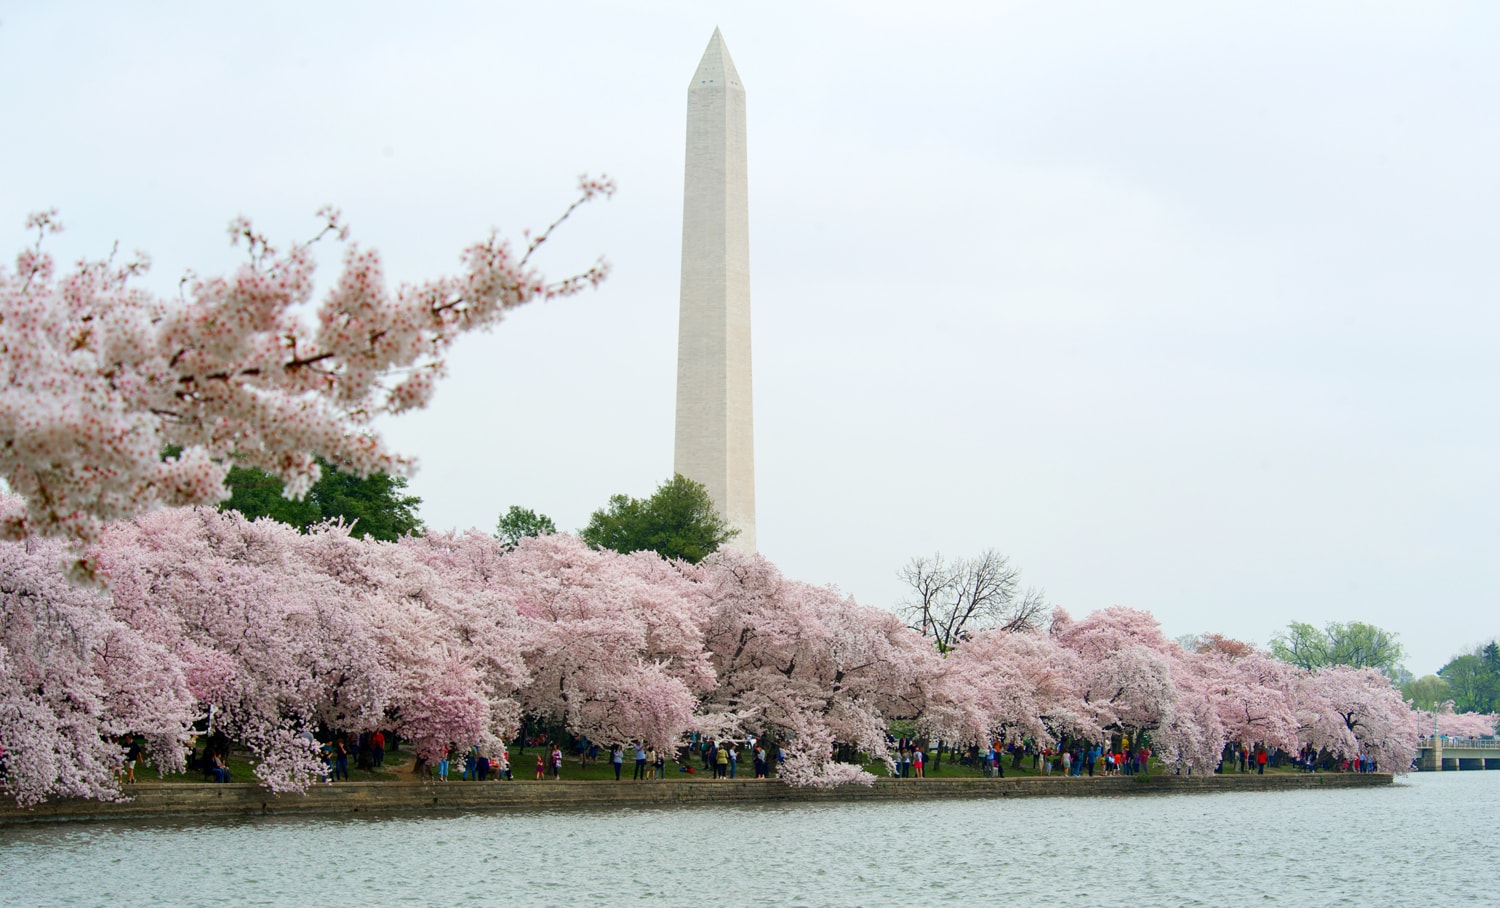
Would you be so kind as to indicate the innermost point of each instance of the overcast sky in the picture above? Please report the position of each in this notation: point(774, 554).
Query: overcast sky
point(1189, 307)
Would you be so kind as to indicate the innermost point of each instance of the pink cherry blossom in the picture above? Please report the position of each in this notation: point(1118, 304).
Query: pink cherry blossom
point(73, 679)
point(613, 643)
point(1457, 725)
point(451, 639)
point(1011, 686)
point(102, 376)
point(1349, 711)
point(808, 665)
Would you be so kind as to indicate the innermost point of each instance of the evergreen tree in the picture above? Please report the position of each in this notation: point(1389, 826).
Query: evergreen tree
point(518, 523)
point(679, 520)
point(1474, 679)
point(376, 506)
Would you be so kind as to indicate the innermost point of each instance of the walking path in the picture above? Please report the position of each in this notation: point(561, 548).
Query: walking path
point(247, 798)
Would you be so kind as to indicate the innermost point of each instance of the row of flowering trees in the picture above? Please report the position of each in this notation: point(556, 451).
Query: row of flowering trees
point(454, 638)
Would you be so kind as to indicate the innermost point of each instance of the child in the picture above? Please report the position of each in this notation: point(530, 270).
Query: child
point(541, 768)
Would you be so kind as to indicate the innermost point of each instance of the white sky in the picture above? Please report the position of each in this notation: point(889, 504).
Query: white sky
point(1189, 307)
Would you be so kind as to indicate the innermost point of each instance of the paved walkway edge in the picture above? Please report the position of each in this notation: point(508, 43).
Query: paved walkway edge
point(245, 799)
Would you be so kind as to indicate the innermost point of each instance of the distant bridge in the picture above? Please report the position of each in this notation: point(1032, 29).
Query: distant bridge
point(1442, 753)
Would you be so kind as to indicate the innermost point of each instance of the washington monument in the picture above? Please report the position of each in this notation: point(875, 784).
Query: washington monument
point(715, 430)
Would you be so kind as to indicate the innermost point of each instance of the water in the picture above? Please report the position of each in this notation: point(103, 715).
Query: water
point(1430, 839)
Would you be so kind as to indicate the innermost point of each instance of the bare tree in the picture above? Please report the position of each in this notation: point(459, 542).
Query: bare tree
point(952, 599)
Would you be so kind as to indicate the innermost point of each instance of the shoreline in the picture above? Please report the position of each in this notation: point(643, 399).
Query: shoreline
point(241, 799)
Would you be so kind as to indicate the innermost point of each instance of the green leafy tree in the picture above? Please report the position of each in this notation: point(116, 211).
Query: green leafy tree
point(376, 506)
point(679, 520)
point(1427, 692)
point(518, 523)
point(1355, 644)
point(1474, 679)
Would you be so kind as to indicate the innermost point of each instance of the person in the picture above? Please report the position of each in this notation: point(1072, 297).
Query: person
point(734, 759)
point(541, 768)
point(640, 761)
point(132, 754)
point(340, 758)
point(481, 764)
point(758, 754)
point(217, 769)
point(918, 758)
point(1260, 761)
point(505, 764)
point(721, 762)
point(471, 763)
point(556, 762)
point(617, 759)
point(443, 763)
point(659, 760)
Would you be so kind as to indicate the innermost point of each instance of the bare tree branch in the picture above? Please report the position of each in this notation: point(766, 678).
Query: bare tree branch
point(951, 600)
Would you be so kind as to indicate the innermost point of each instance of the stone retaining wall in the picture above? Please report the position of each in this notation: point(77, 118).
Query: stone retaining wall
point(197, 799)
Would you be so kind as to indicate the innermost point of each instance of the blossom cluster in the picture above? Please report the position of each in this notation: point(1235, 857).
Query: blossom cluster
point(101, 377)
point(452, 639)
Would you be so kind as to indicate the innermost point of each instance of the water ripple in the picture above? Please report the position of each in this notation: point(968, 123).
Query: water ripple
point(1388, 846)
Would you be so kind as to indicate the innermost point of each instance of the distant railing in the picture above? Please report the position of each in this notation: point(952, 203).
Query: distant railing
point(1451, 742)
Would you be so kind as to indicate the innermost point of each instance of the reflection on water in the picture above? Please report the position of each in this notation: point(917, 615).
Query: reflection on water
point(1430, 839)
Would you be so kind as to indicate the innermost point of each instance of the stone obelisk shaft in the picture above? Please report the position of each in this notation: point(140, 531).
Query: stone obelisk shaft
point(715, 430)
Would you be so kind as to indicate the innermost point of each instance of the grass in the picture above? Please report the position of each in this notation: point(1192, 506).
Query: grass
point(242, 769)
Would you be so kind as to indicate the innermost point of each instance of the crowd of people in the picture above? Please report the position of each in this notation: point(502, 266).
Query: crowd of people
point(719, 759)
point(910, 758)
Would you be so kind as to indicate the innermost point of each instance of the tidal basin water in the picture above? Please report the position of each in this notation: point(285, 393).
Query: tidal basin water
point(1431, 839)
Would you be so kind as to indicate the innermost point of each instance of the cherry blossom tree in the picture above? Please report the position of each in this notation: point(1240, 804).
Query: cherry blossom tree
point(808, 665)
point(1251, 693)
point(451, 638)
point(276, 648)
point(1126, 672)
point(613, 643)
point(1013, 685)
point(102, 376)
point(1457, 725)
point(451, 645)
point(285, 633)
point(1349, 711)
point(1191, 736)
point(73, 679)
